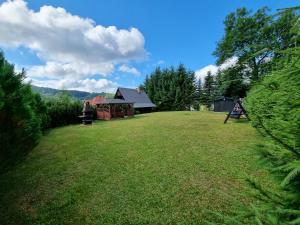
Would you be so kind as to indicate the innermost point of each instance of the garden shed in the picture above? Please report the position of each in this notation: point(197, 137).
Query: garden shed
point(223, 104)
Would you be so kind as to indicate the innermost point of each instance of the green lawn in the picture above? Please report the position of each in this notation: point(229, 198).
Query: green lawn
point(159, 168)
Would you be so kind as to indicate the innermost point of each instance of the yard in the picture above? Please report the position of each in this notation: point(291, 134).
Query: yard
point(159, 168)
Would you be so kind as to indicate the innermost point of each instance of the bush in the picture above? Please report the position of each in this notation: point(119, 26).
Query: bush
point(20, 122)
point(24, 114)
point(274, 108)
point(62, 111)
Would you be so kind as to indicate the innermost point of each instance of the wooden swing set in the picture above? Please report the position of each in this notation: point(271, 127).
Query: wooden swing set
point(237, 111)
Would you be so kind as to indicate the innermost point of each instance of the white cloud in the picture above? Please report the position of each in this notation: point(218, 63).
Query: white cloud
point(127, 69)
point(229, 63)
point(160, 62)
point(89, 85)
point(69, 45)
point(201, 73)
point(56, 70)
point(55, 34)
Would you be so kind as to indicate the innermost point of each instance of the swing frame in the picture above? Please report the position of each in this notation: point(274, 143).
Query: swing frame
point(237, 111)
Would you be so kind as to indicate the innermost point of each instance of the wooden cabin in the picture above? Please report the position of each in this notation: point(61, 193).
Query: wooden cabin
point(108, 109)
point(125, 103)
point(141, 101)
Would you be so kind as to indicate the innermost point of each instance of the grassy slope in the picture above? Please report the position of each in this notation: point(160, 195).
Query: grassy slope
point(160, 168)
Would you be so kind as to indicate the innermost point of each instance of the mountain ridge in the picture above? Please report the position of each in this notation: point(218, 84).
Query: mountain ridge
point(81, 95)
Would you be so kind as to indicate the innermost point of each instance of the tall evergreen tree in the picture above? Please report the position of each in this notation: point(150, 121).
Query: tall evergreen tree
point(198, 94)
point(171, 89)
point(208, 90)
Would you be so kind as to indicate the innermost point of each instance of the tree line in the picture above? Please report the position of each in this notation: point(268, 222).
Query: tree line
point(254, 40)
point(177, 89)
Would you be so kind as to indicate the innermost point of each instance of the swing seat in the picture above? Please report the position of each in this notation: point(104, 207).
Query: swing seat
point(234, 116)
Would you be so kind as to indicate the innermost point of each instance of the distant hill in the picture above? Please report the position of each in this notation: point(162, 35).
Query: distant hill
point(51, 92)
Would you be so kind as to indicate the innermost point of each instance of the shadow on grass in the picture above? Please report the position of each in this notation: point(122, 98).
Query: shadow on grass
point(10, 160)
point(10, 212)
point(241, 121)
point(139, 116)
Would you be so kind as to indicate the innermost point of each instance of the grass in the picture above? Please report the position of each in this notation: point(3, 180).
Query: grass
point(159, 168)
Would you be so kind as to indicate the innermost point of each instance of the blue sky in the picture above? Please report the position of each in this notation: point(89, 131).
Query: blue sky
point(145, 34)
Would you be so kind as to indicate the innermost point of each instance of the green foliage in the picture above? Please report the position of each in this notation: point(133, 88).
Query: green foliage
point(24, 114)
point(256, 40)
point(246, 34)
point(231, 83)
point(62, 110)
point(19, 114)
point(274, 105)
point(208, 90)
point(171, 89)
point(268, 64)
point(274, 109)
point(198, 95)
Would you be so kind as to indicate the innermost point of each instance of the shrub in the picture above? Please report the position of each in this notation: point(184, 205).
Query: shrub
point(274, 107)
point(62, 111)
point(20, 123)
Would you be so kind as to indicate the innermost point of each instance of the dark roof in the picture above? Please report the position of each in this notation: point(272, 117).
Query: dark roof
point(140, 99)
point(113, 101)
point(223, 98)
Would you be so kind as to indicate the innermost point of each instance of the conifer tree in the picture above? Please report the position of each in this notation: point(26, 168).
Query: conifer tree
point(208, 90)
point(171, 89)
point(20, 124)
point(198, 94)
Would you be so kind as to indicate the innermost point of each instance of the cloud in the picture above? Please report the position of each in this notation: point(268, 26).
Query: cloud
point(201, 73)
point(89, 85)
point(160, 62)
point(229, 63)
point(56, 70)
point(127, 69)
point(55, 34)
point(70, 46)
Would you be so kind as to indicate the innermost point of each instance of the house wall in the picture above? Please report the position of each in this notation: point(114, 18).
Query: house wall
point(103, 115)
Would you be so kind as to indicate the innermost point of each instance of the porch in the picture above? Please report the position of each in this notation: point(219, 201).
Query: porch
point(114, 108)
